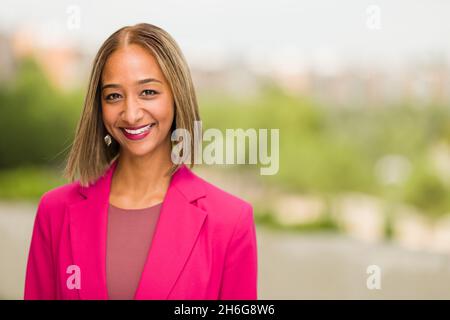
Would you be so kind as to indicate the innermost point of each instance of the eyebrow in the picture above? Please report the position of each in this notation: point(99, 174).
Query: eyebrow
point(143, 81)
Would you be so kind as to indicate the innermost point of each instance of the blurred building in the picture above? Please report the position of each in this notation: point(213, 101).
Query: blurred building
point(326, 78)
point(64, 64)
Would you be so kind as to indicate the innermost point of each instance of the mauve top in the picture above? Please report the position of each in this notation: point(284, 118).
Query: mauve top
point(130, 233)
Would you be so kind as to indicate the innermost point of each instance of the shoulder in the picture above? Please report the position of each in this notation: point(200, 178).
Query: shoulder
point(53, 200)
point(230, 219)
point(61, 194)
point(223, 206)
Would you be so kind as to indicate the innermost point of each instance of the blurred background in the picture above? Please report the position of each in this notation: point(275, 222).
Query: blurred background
point(360, 91)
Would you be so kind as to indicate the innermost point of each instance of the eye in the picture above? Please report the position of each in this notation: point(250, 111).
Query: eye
point(149, 92)
point(112, 96)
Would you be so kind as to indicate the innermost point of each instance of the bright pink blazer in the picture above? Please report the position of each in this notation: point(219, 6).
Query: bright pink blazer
point(204, 245)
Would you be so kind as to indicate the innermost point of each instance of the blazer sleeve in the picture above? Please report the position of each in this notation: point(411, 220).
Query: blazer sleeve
point(40, 272)
point(239, 279)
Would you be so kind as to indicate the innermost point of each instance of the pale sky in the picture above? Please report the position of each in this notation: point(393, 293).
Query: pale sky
point(285, 30)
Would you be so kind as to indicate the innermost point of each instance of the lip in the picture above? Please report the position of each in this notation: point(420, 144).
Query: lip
point(136, 136)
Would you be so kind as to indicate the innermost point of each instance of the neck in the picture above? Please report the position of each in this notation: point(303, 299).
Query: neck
point(142, 179)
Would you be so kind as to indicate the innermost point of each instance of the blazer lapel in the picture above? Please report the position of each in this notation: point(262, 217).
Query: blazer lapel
point(176, 231)
point(178, 226)
point(88, 227)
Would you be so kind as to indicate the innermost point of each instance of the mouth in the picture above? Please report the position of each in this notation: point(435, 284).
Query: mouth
point(137, 133)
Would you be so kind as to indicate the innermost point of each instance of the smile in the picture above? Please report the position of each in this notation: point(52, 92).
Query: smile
point(138, 133)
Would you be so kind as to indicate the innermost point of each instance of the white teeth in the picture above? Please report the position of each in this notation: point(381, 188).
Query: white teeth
point(138, 131)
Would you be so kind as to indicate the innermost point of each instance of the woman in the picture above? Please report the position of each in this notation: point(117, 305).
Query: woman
point(132, 224)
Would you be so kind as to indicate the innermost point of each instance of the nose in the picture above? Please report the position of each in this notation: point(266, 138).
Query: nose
point(132, 113)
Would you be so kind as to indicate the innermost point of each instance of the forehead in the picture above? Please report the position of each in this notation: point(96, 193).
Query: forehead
point(131, 63)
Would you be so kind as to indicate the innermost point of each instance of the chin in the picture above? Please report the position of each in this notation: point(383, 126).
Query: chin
point(140, 150)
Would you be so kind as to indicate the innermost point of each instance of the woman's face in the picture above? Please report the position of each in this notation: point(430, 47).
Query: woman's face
point(135, 94)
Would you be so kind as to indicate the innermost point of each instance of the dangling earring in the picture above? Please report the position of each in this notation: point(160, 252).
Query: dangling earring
point(108, 140)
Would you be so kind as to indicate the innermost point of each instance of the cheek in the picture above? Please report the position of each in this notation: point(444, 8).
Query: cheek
point(165, 113)
point(108, 116)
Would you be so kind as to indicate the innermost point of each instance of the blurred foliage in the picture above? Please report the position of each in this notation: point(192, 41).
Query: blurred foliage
point(37, 121)
point(28, 183)
point(326, 150)
point(323, 150)
point(268, 219)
